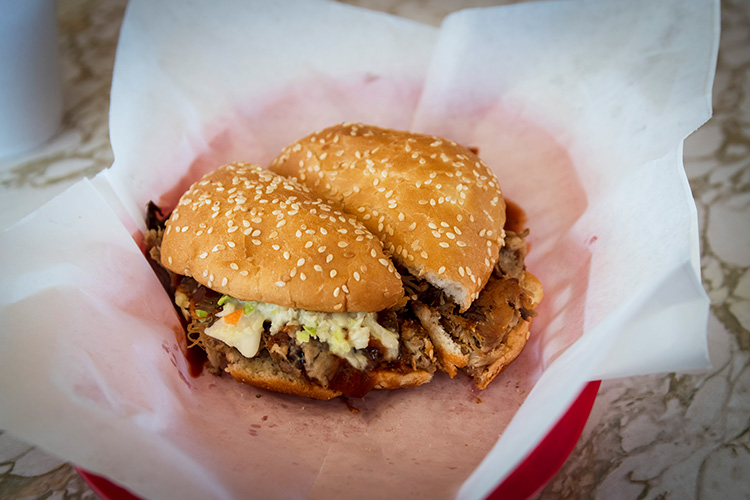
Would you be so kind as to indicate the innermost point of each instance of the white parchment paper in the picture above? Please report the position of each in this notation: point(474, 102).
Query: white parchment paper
point(579, 107)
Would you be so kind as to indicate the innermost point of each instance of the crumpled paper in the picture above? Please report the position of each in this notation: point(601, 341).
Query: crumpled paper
point(579, 107)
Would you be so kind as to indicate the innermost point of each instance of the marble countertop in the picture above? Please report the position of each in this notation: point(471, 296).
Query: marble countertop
point(675, 435)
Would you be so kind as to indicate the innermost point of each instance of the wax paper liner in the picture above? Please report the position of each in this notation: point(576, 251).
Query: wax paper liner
point(580, 108)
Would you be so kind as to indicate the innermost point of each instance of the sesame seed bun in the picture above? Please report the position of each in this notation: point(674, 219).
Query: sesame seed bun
point(435, 205)
point(249, 233)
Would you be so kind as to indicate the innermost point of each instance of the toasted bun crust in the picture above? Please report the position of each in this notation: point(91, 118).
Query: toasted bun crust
point(254, 235)
point(384, 379)
point(436, 206)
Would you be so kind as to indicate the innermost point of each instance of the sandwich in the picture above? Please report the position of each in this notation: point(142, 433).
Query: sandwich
point(441, 215)
point(280, 289)
point(363, 258)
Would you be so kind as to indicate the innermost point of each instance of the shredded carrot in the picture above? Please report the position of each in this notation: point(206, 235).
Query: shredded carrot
point(233, 317)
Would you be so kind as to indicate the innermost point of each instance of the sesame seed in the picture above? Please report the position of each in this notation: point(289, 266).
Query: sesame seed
point(356, 276)
point(286, 255)
point(318, 268)
point(224, 282)
point(302, 276)
point(461, 271)
point(322, 249)
point(441, 270)
point(202, 256)
point(384, 262)
point(281, 223)
point(373, 253)
point(308, 244)
point(336, 291)
point(300, 261)
point(345, 288)
point(329, 258)
point(276, 247)
point(280, 284)
point(333, 273)
point(343, 244)
point(444, 244)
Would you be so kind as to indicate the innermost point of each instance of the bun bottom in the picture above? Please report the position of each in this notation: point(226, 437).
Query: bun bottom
point(514, 344)
point(263, 372)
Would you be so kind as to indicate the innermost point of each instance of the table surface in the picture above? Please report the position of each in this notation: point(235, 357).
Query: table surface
point(676, 435)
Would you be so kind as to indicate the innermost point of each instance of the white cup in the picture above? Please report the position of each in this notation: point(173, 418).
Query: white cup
point(30, 83)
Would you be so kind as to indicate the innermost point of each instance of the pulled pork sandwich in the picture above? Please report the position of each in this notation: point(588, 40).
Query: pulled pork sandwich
point(440, 213)
point(282, 290)
point(365, 258)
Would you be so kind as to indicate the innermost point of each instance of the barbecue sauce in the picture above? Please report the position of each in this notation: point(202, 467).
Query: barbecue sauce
point(515, 217)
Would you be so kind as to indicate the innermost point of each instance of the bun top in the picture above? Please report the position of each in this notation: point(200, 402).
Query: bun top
point(249, 233)
point(436, 206)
